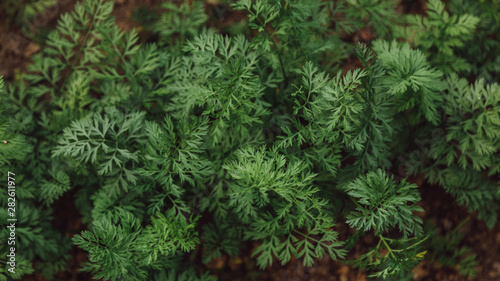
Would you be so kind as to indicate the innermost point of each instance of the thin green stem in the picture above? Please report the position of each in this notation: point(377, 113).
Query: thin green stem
point(278, 51)
point(78, 55)
point(387, 247)
point(462, 223)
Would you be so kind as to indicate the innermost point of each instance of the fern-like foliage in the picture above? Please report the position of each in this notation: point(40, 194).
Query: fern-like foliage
point(469, 145)
point(176, 150)
point(484, 55)
point(370, 14)
point(113, 249)
point(402, 255)
point(383, 204)
point(122, 250)
point(257, 176)
point(183, 21)
point(175, 155)
point(13, 146)
point(35, 238)
point(275, 198)
point(221, 237)
point(218, 79)
point(104, 141)
point(410, 78)
point(186, 148)
point(380, 205)
point(301, 24)
point(24, 12)
point(472, 125)
point(188, 275)
point(350, 112)
point(54, 188)
point(87, 45)
point(166, 236)
point(440, 34)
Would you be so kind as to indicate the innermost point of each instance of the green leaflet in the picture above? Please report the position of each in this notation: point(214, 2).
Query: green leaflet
point(442, 32)
point(383, 204)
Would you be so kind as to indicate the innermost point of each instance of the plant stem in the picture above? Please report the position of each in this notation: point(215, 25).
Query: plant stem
point(462, 223)
point(387, 247)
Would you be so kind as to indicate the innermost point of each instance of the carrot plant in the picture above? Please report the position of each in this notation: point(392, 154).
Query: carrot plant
point(198, 142)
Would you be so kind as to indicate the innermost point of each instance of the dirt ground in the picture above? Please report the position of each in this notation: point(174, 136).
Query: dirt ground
point(15, 52)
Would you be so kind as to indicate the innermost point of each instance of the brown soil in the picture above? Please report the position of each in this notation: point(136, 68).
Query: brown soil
point(16, 43)
point(15, 52)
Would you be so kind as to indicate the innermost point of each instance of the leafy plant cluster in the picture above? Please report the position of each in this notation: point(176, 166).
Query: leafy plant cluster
point(29, 14)
point(201, 142)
